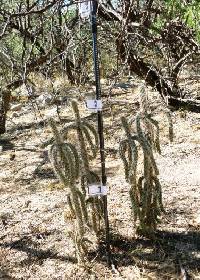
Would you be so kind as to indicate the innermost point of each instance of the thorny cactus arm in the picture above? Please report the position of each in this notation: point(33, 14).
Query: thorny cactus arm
point(171, 131)
point(83, 206)
point(65, 156)
point(132, 150)
point(90, 132)
point(65, 162)
point(83, 149)
point(93, 131)
point(145, 192)
point(129, 155)
point(58, 171)
point(57, 135)
point(156, 141)
point(85, 133)
point(123, 147)
point(158, 195)
point(75, 160)
point(145, 110)
point(145, 144)
point(65, 131)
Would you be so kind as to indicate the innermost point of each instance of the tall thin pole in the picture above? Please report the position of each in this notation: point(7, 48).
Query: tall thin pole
point(100, 124)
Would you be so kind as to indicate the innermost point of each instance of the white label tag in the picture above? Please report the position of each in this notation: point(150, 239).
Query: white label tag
point(85, 9)
point(94, 105)
point(95, 190)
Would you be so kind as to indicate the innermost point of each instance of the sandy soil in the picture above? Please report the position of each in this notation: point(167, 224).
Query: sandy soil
point(35, 240)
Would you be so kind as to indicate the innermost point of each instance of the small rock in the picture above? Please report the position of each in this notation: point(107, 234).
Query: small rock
point(5, 217)
point(123, 86)
point(12, 155)
point(62, 100)
point(103, 81)
point(44, 99)
point(51, 113)
point(16, 107)
point(14, 115)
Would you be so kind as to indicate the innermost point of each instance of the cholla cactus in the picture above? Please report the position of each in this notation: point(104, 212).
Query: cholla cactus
point(146, 112)
point(151, 126)
point(145, 192)
point(65, 160)
point(87, 139)
point(71, 164)
point(169, 118)
point(88, 144)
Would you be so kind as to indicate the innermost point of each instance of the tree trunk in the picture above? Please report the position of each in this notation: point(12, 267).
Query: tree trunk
point(5, 103)
point(154, 79)
point(145, 71)
point(4, 106)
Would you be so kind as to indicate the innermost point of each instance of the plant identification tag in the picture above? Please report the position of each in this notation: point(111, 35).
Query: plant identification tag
point(97, 190)
point(94, 105)
point(85, 9)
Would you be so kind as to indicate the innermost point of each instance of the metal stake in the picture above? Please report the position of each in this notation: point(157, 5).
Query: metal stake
point(100, 124)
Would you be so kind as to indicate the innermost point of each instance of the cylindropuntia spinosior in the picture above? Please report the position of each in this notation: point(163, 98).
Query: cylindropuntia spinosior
point(145, 191)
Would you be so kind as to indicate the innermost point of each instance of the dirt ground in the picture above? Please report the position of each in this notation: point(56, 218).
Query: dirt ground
point(35, 239)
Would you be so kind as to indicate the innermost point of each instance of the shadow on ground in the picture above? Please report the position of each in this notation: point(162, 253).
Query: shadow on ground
point(35, 254)
point(4, 274)
point(167, 256)
point(169, 253)
point(42, 172)
point(6, 145)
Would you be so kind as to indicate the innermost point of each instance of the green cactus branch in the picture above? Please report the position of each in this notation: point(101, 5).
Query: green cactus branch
point(145, 144)
point(128, 146)
point(145, 191)
point(171, 130)
point(65, 160)
point(87, 139)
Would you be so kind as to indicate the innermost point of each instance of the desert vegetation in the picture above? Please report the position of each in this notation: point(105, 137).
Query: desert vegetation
point(52, 153)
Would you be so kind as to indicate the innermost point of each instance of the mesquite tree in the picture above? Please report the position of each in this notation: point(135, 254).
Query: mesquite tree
point(155, 40)
point(35, 37)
